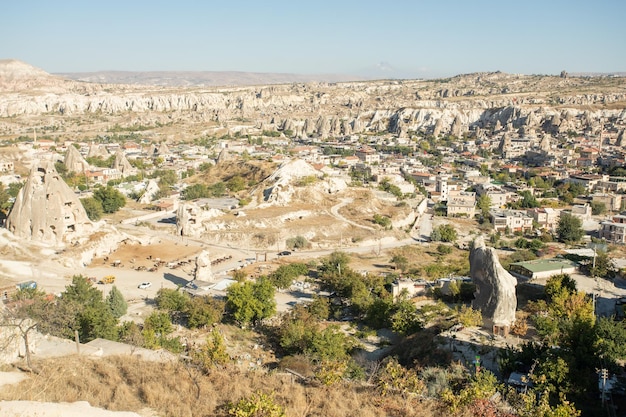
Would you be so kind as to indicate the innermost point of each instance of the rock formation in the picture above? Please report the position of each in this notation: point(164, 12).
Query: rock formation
point(203, 267)
point(74, 161)
point(97, 151)
point(190, 219)
point(280, 185)
point(151, 189)
point(122, 164)
point(47, 210)
point(495, 288)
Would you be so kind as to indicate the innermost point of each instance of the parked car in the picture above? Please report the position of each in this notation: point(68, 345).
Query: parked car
point(284, 253)
point(145, 285)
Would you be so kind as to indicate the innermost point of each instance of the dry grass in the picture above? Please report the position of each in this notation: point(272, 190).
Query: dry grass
point(171, 389)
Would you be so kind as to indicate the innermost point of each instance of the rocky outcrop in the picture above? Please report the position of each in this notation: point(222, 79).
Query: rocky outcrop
point(190, 219)
point(280, 186)
point(152, 187)
point(203, 267)
point(47, 210)
point(97, 151)
point(74, 161)
point(495, 287)
point(122, 164)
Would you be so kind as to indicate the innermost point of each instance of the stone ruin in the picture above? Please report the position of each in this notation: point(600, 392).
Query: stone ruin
point(47, 210)
point(495, 288)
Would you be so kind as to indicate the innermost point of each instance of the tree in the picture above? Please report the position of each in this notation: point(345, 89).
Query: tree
point(383, 221)
point(298, 242)
point(111, 199)
point(203, 311)
point(603, 266)
point(610, 339)
point(444, 233)
point(93, 208)
point(195, 191)
point(401, 262)
point(484, 204)
point(569, 229)
point(598, 208)
point(18, 315)
point(236, 183)
point(171, 300)
point(285, 274)
point(249, 302)
point(212, 353)
point(92, 316)
point(116, 302)
point(528, 200)
point(405, 319)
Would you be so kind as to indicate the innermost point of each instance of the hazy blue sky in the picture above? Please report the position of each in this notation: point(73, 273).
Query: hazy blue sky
point(418, 38)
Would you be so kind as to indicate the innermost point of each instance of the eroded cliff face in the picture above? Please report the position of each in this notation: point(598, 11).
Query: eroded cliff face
point(488, 101)
point(47, 210)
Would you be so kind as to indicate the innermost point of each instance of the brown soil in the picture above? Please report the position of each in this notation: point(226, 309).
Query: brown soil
point(138, 255)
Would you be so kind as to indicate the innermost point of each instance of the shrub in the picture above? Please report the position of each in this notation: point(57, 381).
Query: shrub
point(298, 242)
point(444, 233)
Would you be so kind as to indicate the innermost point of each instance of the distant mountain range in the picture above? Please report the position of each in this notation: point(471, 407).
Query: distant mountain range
point(203, 78)
point(382, 70)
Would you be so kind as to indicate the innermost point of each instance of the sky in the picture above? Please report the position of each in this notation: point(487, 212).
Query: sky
point(409, 38)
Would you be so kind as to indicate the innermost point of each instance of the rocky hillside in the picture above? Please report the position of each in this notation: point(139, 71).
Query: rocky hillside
point(490, 101)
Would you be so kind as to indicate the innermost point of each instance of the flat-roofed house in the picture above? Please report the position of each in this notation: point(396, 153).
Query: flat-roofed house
point(461, 204)
point(614, 230)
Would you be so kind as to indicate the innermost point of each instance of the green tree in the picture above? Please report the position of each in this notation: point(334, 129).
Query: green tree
point(528, 200)
point(111, 199)
point(335, 262)
point(298, 242)
point(285, 274)
point(171, 300)
point(484, 204)
point(92, 316)
point(212, 353)
point(159, 322)
point(603, 266)
point(93, 208)
point(597, 208)
point(116, 302)
point(249, 302)
point(236, 184)
point(218, 189)
point(400, 262)
point(195, 191)
point(405, 319)
point(203, 312)
point(320, 307)
point(569, 228)
point(610, 339)
point(444, 233)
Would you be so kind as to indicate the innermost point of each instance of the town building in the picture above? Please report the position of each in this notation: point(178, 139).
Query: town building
point(461, 204)
point(614, 230)
point(510, 220)
point(546, 218)
point(542, 268)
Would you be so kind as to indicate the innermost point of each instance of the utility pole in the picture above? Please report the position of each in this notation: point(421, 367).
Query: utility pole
point(604, 374)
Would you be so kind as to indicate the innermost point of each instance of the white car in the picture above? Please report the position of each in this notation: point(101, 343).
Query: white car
point(145, 285)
